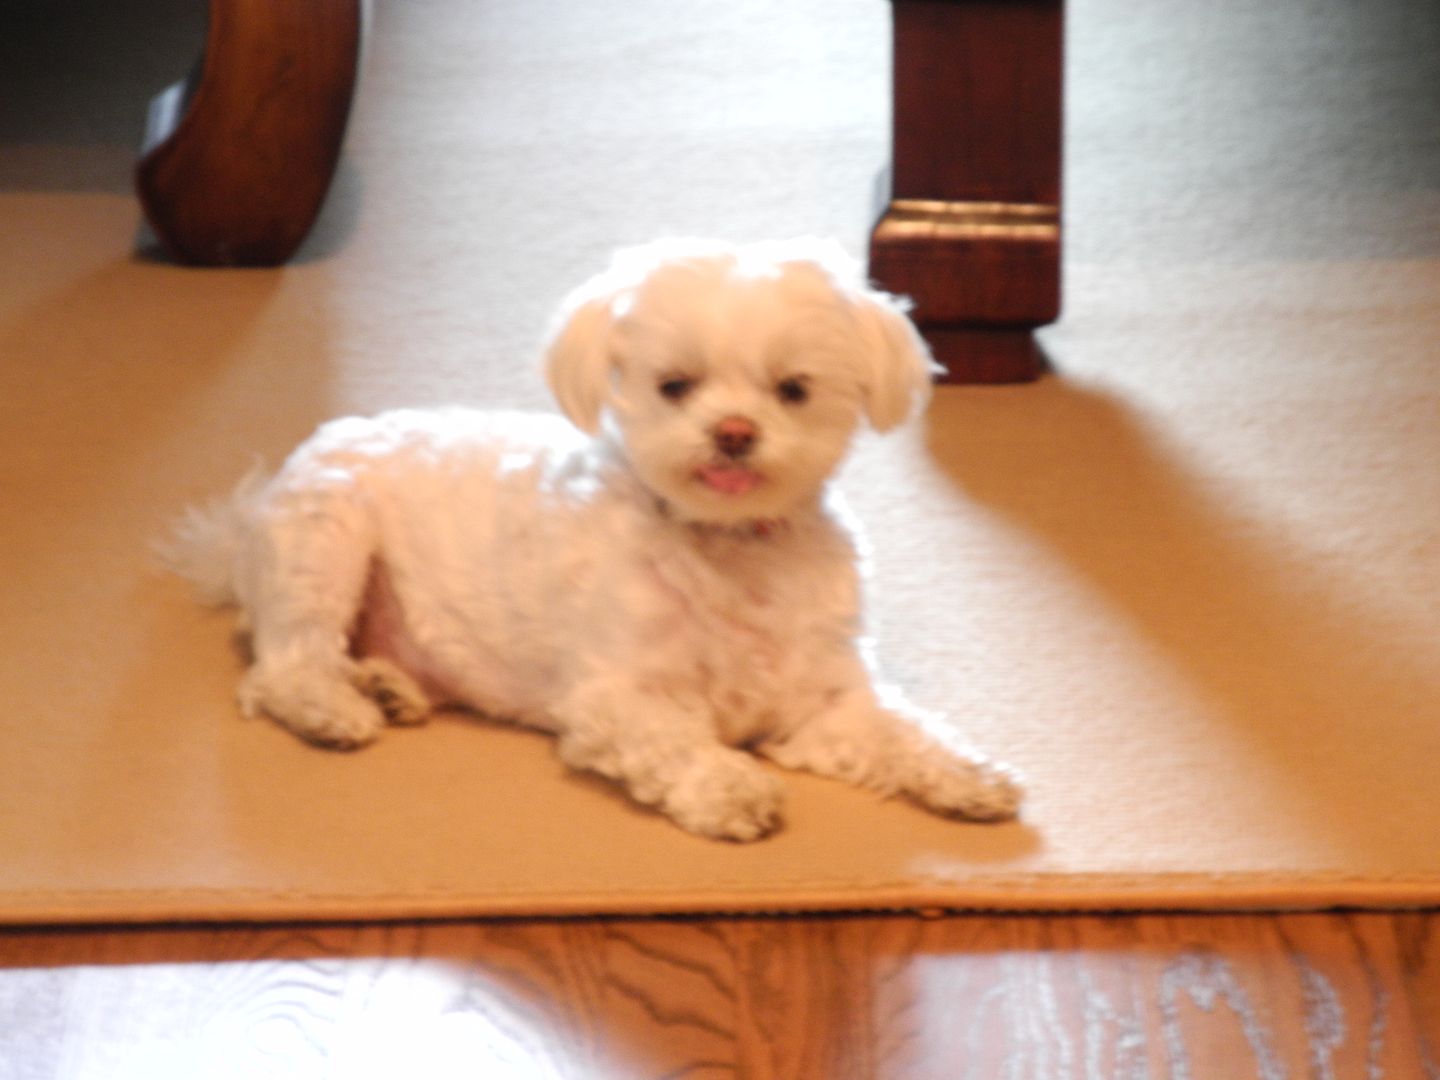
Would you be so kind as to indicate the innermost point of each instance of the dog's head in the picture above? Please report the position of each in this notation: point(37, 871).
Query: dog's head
point(735, 375)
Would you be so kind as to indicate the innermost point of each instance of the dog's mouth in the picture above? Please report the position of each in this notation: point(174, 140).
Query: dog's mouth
point(729, 478)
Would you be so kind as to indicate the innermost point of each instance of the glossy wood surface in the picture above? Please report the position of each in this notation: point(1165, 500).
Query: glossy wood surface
point(239, 159)
point(1321, 995)
point(970, 223)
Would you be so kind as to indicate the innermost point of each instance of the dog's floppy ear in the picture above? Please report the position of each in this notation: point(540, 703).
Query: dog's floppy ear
point(897, 370)
point(579, 360)
point(894, 366)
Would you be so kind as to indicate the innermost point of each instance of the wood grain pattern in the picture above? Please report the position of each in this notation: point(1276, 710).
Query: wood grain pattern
point(1323, 996)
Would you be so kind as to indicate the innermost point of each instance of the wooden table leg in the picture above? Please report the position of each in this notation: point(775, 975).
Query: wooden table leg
point(971, 228)
point(238, 159)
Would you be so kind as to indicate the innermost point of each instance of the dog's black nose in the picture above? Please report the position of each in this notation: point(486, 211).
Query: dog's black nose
point(736, 436)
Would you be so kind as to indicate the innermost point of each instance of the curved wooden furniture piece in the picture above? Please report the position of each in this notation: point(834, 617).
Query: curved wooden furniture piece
point(970, 229)
point(238, 158)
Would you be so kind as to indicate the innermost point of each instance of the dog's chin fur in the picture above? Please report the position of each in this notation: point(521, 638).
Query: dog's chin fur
point(669, 589)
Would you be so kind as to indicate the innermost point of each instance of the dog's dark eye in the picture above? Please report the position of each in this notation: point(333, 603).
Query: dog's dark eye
point(793, 391)
point(676, 387)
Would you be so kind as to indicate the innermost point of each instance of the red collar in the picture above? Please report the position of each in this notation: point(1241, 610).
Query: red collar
point(758, 528)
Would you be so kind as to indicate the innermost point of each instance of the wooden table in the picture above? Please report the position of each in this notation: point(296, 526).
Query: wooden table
point(970, 222)
point(238, 157)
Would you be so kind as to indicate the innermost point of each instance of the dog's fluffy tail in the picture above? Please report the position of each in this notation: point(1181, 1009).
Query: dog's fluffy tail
point(203, 545)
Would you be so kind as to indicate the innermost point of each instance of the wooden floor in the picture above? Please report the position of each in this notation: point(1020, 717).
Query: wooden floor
point(1321, 996)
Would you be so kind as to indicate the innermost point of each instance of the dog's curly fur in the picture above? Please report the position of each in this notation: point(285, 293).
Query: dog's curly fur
point(664, 585)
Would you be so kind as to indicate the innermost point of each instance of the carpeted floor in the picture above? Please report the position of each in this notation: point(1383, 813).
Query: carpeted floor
point(1189, 583)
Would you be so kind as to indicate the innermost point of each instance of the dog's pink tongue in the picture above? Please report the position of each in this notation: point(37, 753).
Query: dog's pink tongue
point(729, 479)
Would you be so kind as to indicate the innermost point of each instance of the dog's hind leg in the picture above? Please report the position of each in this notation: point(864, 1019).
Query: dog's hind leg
point(399, 696)
point(302, 586)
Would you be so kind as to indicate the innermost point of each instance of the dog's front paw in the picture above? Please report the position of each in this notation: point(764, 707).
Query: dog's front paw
point(968, 788)
point(725, 795)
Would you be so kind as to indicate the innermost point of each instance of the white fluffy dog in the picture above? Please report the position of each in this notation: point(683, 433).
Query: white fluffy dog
point(664, 592)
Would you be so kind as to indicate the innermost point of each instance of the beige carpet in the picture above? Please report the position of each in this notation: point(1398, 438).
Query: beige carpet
point(1190, 584)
